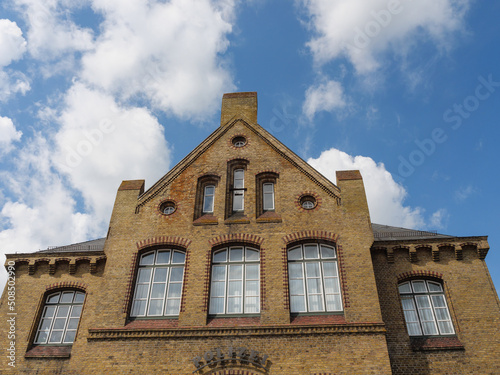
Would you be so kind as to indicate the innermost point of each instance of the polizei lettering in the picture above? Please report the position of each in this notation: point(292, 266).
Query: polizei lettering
point(243, 355)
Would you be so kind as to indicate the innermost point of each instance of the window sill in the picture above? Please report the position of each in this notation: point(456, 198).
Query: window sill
point(237, 218)
point(207, 219)
point(49, 351)
point(269, 217)
point(436, 343)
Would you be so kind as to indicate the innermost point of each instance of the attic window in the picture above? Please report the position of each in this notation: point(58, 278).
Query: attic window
point(307, 202)
point(239, 141)
point(167, 208)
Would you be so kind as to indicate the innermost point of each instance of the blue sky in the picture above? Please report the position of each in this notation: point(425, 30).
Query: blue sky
point(95, 92)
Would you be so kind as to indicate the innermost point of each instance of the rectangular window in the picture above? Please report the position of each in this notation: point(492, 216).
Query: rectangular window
point(208, 199)
point(238, 190)
point(268, 196)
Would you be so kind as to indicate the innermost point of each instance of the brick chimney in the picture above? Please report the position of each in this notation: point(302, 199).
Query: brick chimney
point(239, 103)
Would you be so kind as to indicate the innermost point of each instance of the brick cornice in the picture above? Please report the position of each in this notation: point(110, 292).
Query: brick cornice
point(163, 240)
point(98, 334)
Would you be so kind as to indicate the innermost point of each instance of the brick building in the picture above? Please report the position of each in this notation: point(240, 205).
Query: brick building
point(244, 260)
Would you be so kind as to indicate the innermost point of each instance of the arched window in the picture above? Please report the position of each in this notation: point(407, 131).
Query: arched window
point(158, 286)
point(313, 279)
point(60, 318)
point(235, 283)
point(425, 309)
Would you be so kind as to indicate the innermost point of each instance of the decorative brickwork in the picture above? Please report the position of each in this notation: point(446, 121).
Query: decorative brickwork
point(163, 241)
point(67, 285)
point(310, 235)
point(236, 237)
point(418, 275)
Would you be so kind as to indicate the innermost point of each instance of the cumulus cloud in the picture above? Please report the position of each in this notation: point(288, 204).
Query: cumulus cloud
point(361, 31)
point(385, 196)
point(169, 52)
point(326, 96)
point(100, 143)
point(51, 31)
point(8, 134)
point(439, 219)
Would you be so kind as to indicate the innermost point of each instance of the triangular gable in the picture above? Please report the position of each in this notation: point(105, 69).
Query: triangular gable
point(325, 184)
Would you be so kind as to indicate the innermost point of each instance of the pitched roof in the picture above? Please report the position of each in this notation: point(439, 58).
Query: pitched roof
point(92, 245)
point(388, 233)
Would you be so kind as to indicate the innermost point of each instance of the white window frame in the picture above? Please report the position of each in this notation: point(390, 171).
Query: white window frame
point(55, 320)
point(264, 194)
point(239, 190)
point(245, 293)
point(425, 308)
point(206, 196)
point(146, 288)
point(301, 285)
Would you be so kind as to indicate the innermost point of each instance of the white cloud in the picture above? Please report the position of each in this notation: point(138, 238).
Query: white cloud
point(51, 32)
point(439, 219)
point(385, 196)
point(8, 134)
point(169, 52)
point(361, 31)
point(99, 144)
point(327, 96)
point(12, 43)
point(464, 192)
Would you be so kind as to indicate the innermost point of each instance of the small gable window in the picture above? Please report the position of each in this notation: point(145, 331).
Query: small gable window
point(208, 199)
point(239, 190)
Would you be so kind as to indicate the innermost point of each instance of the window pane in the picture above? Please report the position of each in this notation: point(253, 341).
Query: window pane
point(174, 290)
point(408, 303)
point(67, 297)
point(144, 275)
point(312, 269)
point(139, 308)
point(76, 311)
point(331, 286)
point(234, 305)
point(423, 302)
point(429, 328)
point(438, 301)
point(236, 254)
point(49, 311)
point(446, 327)
point(252, 288)
point(295, 254)
point(327, 252)
point(268, 192)
point(235, 272)
point(79, 297)
point(142, 291)
point(73, 323)
point(404, 288)
point(155, 307)
point(42, 337)
point(55, 337)
point(219, 273)
point(414, 329)
point(442, 314)
point(160, 275)
point(251, 255)
point(297, 304)
point(239, 176)
point(70, 337)
point(419, 286)
point(158, 290)
point(178, 257)
point(147, 259)
point(252, 271)
point(45, 325)
point(234, 288)
point(238, 201)
point(296, 287)
point(216, 305)
point(333, 302)
point(315, 303)
point(62, 311)
point(173, 307)
point(218, 289)
point(163, 257)
point(251, 305)
point(59, 323)
point(295, 270)
point(220, 256)
point(208, 198)
point(330, 269)
point(434, 287)
point(311, 252)
point(176, 273)
point(53, 298)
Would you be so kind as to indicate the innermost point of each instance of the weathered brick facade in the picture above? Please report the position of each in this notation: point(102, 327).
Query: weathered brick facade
point(368, 335)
